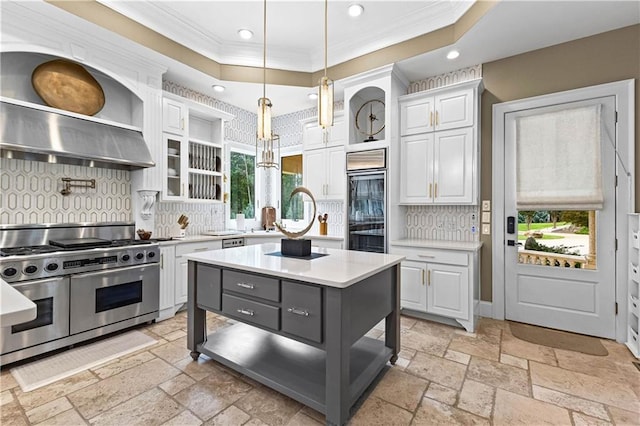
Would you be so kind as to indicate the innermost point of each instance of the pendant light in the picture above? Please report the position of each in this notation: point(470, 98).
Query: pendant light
point(325, 91)
point(265, 138)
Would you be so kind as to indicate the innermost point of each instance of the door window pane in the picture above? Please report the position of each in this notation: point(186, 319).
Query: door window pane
point(290, 178)
point(557, 238)
point(242, 173)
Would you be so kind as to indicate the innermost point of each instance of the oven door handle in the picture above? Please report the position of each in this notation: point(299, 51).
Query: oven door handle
point(112, 270)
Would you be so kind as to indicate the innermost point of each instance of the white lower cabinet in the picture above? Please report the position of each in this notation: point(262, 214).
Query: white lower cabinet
point(440, 282)
point(174, 277)
point(167, 280)
point(448, 290)
point(413, 292)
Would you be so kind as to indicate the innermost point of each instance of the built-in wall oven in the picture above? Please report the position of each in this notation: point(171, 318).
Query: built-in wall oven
point(366, 204)
point(83, 287)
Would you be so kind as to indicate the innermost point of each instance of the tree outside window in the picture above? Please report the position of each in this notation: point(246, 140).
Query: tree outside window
point(243, 182)
point(290, 178)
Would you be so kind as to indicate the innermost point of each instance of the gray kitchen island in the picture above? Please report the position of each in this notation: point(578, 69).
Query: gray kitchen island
point(300, 322)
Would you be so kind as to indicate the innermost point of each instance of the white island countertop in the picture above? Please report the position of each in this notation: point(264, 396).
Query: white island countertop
point(339, 268)
point(15, 308)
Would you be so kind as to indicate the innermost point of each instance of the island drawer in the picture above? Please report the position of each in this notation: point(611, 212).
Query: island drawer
point(208, 287)
point(302, 310)
point(251, 312)
point(450, 257)
point(251, 284)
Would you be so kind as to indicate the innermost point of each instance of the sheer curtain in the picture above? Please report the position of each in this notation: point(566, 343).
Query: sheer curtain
point(558, 160)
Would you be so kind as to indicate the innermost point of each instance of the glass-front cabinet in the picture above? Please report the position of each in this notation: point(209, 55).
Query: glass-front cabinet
point(193, 152)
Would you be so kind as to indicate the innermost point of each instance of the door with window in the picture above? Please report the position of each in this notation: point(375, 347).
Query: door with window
point(560, 189)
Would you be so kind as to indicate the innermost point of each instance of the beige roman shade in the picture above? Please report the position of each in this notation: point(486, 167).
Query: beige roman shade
point(558, 160)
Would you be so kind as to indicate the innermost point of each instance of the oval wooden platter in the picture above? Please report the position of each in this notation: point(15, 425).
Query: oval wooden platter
point(69, 86)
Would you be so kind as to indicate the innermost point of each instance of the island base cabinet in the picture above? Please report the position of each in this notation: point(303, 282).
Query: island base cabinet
point(302, 310)
point(310, 346)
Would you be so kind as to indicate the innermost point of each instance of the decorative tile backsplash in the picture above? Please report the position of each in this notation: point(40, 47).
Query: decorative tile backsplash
point(450, 223)
point(202, 217)
point(31, 194)
point(335, 221)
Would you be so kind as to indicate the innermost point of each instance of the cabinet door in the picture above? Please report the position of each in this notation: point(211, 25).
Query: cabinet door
point(416, 185)
point(454, 166)
point(175, 167)
point(337, 133)
point(167, 277)
point(173, 116)
point(448, 290)
point(312, 137)
point(454, 109)
point(336, 174)
point(416, 116)
point(315, 171)
point(413, 292)
point(182, 280)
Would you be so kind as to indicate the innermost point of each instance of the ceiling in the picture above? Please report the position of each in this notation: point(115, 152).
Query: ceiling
point(295, 36)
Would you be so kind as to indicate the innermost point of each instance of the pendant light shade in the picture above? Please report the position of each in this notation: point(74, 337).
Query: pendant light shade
point(325, 103)
point(325, 91)
point(264, 118)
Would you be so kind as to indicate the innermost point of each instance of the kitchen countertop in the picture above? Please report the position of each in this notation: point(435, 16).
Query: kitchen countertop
point(339, 268)
point(15, 308)
point(439, 244)
point(257, 234)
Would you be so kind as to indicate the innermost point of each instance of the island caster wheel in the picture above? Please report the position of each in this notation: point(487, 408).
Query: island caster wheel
point(195, 355)
point(393, 359)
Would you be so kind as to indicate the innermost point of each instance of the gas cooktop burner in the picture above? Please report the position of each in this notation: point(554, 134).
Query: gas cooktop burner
point(70, 245)
point(25, 251)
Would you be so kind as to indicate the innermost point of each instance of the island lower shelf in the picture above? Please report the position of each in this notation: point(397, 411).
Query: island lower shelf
point(290, 367)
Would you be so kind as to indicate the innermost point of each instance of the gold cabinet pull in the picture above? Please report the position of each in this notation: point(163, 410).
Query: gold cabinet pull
point(422, 276)
point(182, 123)
point(430, 118)
point(161, 261)
point(435, 192)
point(429, 277)
point(437, 120)
point(430, 190)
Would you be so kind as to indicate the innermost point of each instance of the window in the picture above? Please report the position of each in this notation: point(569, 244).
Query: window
point(290, 178)
point(242, 174)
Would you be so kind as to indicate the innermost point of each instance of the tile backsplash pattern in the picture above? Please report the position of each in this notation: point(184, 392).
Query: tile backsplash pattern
point(335, 221)
point(202, 217)
point(31, 194)
point(446, 79)
point(289, 128)
point(450, 223)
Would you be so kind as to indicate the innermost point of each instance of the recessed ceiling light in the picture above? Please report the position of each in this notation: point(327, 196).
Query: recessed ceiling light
point(218, 88)
point(453, 54)
point(312, 96)
point(355, 10)
point(245, 34)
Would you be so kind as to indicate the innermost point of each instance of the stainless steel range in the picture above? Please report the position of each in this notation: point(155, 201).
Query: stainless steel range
point(86, 280)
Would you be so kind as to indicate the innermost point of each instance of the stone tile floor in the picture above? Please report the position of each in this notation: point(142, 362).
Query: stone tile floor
point(444, 376)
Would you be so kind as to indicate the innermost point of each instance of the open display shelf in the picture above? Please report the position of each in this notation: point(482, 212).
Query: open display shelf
point(290, 367)
point(633, 286)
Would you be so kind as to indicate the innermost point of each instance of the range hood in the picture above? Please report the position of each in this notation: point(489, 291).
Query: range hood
point(42, 135)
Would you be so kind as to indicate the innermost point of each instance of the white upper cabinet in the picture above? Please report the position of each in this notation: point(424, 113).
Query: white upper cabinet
point(437, 112)
point(439, 145)
point(173, 116)
point(324, 159)
point(192, 151)
point(324, 173)
point(313, 137)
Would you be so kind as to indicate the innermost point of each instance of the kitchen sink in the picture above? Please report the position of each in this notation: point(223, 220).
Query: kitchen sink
point(222, 233)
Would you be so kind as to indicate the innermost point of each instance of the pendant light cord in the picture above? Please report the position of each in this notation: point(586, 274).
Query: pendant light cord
point(326, 8)
point(264, 52)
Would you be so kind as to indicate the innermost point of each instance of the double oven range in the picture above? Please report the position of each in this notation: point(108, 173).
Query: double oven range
point(86, 280)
